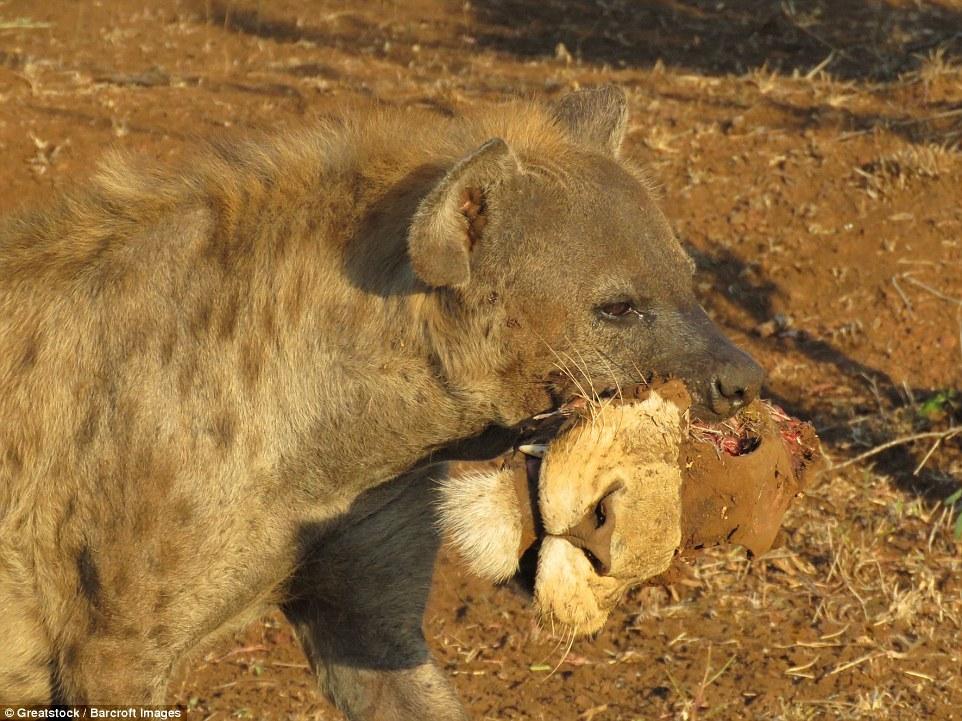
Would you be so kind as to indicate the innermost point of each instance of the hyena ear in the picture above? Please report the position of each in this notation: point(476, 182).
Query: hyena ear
point(450, 220)
point(597, 117)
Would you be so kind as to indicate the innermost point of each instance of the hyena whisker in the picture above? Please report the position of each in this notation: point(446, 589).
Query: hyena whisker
point(611, 371)
point(587, 373)
point(619, 391)
point(563, 367)
point(590, 394)
point(642, 380)
point(571, 376)
point(594, 398)
point(597, 403)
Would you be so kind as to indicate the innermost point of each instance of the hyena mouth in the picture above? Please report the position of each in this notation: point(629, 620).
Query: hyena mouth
point(532, 463)
point(541, 429)
point(566, 395)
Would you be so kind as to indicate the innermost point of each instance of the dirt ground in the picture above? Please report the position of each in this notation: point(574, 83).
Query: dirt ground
point(807, 152)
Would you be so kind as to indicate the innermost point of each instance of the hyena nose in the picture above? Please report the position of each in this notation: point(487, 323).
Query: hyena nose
point(737, 383)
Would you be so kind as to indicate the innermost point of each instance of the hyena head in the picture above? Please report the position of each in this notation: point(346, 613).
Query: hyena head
point(560, 253)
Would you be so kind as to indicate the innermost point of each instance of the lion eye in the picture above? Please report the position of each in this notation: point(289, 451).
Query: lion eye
point(601, 515)
point(617, 310)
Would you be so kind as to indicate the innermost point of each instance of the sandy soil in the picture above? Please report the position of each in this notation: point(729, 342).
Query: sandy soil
point(807, 155)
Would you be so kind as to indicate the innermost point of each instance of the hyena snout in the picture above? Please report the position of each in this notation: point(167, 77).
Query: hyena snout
point(736, 382)
point(720, 376)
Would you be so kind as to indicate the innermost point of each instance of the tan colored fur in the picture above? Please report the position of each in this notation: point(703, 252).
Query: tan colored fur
point(177, 356)
point(478, 511)
point(633, 446)
point(204, 371)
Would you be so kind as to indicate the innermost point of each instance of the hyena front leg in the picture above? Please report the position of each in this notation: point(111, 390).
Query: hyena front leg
point(357, 604)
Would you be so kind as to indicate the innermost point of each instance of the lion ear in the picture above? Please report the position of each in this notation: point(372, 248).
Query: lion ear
point(597, 118)
point(451, 219)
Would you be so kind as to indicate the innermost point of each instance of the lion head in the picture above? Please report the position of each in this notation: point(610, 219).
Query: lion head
point(625, 488)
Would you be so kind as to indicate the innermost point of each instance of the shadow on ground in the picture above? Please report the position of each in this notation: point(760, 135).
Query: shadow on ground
point(865, 42)
point(860, 40)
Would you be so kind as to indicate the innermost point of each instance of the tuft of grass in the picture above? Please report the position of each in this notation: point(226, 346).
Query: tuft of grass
point(22, 24)
point(932, 68)
point(895, 171)
point(954, 502)
point(660, 140)
point(767, 81)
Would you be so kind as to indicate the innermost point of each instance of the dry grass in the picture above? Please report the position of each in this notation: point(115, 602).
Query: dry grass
point(896, 171)
point(933, 68)
point(880, 611)
point(871, 586)
point(21, 23)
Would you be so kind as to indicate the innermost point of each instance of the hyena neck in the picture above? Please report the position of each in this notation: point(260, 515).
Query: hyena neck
point(397, 396)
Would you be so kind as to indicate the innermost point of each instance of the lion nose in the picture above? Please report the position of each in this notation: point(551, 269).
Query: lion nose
point(592, 534)
point(736, 384)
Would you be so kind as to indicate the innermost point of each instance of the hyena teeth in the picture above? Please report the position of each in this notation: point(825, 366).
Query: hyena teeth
point(536, 450)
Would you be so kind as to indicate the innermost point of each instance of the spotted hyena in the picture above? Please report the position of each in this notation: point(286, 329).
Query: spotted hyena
point(208, 373)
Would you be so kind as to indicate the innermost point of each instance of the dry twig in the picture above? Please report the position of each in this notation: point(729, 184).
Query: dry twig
point(942, 436)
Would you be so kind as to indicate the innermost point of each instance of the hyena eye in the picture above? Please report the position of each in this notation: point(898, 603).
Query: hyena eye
point(617, 310)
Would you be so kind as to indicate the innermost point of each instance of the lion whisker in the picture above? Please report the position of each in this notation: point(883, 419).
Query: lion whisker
point(571, 643)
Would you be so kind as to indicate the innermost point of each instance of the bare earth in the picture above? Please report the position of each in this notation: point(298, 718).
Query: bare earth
point(807, 152)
